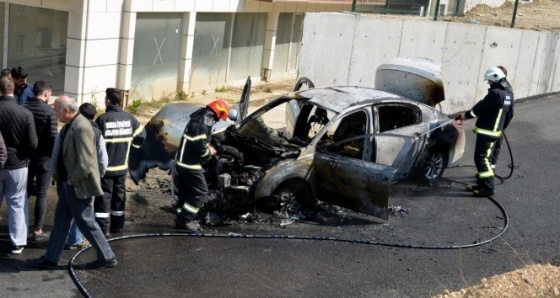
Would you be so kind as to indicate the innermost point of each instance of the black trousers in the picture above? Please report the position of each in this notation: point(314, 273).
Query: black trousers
point(482, 160)
point(193, 193)
point(38, 171)
point(109, 208)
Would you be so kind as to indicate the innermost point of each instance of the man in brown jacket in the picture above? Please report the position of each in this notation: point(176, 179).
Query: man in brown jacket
point(78, 175)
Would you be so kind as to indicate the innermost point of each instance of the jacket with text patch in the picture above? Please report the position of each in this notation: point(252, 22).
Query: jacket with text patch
point(120, 130)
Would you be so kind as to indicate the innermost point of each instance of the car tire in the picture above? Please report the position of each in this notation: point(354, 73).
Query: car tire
point(433, 166)
point(284, 193)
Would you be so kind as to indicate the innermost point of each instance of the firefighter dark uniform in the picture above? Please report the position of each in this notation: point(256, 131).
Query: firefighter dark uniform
point(193, 152)
point(492, 112)
point(119, 130)
point(509, 116)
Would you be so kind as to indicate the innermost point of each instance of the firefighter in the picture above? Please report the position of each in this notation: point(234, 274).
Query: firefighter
point(492, 112)
point(193, 152)
point(120, 130)
point(498, 145)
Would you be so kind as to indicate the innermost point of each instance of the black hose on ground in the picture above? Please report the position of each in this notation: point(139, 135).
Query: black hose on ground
point(292, 237)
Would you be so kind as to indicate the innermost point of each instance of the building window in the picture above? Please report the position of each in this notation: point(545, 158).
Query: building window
point(38, 44)
point(155, 62)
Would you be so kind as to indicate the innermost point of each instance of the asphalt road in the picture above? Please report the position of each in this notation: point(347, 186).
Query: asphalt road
point(446, 215)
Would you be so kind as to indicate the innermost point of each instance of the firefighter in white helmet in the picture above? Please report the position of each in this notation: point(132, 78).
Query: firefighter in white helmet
point(493, 112)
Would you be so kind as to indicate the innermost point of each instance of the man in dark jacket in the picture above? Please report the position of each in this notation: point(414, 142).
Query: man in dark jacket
point(22, 92)
point(46, 128)
point(492, 113)
point(120, 130)
point(18, 129)
point(195, 150)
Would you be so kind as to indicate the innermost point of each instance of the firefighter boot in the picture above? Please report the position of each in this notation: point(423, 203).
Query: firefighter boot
point(187, 221)
point(472, 187)
point(483, 192)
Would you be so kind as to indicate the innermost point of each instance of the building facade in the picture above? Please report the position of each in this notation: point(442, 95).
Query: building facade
point(153, 48)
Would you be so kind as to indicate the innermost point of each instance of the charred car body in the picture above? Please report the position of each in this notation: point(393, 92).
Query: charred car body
point(341, 145)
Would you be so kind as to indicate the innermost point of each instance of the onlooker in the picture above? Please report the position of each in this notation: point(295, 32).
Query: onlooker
point(46, 128)
point(3, 152)
point(120, 130)
point(18, 129)
point(22, 92)
point(78, 175)
point(75, 239)
point(6, 72)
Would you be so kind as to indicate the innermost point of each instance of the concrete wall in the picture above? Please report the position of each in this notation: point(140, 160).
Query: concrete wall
point(347, 48)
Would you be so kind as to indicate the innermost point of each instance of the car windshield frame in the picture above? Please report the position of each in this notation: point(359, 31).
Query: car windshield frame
point(254, 125)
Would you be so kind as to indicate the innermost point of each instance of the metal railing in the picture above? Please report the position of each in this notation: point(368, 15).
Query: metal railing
point(540, 15)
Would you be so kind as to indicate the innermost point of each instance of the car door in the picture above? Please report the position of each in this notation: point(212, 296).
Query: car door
point(344, 176)
point(294, 108)
point(400, 137)
point(243, 104)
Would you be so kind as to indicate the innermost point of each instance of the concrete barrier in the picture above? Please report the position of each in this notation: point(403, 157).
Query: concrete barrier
point(347, 48)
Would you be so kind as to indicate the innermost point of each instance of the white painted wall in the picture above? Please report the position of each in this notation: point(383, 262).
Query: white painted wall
point(101, 36)
point(346, 49)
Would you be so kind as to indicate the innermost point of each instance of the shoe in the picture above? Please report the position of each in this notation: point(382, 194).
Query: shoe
point(471, 187)
point(41, 237)
point(42, 263)
point(116, 231)
point(81, 245)
point(191, 226)
point(16, 249)
point(483, 192)
point(97, 264)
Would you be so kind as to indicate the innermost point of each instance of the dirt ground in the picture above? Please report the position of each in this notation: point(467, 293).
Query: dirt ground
point(538, 15)
point(534, 280)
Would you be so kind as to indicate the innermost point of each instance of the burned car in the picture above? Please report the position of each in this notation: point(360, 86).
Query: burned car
point(341, 145)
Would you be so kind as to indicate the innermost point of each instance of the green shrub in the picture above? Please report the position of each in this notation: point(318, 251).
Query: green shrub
point(134, 106)
point(181, 95)
point(222, 89)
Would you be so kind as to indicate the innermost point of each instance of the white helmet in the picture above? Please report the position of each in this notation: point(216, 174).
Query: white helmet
point(494, 74)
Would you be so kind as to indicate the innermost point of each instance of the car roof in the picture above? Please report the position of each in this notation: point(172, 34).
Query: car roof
point(339, 98)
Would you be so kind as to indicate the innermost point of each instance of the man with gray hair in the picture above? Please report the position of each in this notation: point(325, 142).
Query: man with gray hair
point(78, 175)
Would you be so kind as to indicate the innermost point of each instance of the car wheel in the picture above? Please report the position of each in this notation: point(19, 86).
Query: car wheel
point(287, 192)
point(434, 165)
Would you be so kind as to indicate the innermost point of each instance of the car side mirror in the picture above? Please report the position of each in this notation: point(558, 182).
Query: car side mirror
point(233, 115)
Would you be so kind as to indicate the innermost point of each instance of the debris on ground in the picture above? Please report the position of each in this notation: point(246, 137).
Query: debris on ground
point(398, 211)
